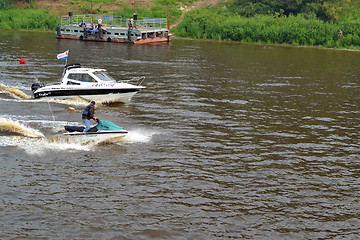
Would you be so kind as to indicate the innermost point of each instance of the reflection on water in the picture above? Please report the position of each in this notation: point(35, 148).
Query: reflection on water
point(227, 141)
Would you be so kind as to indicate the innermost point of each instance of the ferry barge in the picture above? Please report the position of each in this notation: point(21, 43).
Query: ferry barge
point(114, 29)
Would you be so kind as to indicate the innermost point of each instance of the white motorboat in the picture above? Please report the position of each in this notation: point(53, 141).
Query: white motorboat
point(90, 84)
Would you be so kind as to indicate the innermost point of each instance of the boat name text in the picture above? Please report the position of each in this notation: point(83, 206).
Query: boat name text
point(104, 84)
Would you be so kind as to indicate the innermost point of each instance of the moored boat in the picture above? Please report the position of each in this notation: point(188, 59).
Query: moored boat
point(114, 29)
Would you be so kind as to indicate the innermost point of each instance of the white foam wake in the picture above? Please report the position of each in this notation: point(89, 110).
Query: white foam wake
point(15, 127)
point(141, 136)
point(13, 91)
point(33, 142)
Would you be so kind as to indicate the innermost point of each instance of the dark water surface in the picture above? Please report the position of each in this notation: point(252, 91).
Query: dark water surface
point(228, 141)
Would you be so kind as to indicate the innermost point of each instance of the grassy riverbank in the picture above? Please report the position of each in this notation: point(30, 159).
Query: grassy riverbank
point(299, 25)
point(263, 21)
point(45, 14)
point(217, 23)
point(39, 19)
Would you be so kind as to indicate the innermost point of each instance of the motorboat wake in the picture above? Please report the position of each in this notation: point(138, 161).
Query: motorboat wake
point(10, 127)
point(13, 92)
point(90, 84)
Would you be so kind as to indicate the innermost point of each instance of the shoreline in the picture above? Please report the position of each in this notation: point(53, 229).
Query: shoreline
point(214, 40)
point(267, 44)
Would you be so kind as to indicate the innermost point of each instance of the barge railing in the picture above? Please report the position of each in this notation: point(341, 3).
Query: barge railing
point(114, 21)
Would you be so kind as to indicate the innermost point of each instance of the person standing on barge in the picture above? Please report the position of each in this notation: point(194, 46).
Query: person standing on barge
point(99, 23)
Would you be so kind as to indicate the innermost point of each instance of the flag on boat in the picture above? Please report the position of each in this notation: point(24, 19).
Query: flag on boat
point(63, 55)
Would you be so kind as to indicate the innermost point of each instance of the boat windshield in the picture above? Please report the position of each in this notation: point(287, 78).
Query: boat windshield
point(82, 77)
point(104, 77)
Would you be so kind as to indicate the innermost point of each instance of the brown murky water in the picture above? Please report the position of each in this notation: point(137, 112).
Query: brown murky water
point(228, 141)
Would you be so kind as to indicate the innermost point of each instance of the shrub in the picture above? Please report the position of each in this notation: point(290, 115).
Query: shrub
point(28, 19)
point(218, 23)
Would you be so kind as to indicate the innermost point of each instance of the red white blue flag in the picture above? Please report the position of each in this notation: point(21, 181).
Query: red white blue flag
point(63, 55)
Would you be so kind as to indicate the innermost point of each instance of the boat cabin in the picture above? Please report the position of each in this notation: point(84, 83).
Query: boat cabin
point(76, 75)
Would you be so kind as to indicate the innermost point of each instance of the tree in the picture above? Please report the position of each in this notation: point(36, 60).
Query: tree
point(5, 4)
point(322, 9)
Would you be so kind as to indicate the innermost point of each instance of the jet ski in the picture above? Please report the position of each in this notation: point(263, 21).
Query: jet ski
point(103, 128)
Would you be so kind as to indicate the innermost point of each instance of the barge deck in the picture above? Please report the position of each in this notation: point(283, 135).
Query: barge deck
point(114, 29)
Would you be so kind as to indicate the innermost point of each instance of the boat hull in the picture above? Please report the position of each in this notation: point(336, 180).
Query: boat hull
point(99, 135)
point(105, 133)
point(104, 95)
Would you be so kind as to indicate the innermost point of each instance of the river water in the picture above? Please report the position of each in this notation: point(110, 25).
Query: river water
point(227, 141)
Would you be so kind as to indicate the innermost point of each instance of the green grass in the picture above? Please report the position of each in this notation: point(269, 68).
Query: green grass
point(158, 11)
point(28, 19)
point(220, 24)
point(98, 1)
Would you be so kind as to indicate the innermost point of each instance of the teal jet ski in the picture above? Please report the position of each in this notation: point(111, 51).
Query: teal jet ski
point(102, 128)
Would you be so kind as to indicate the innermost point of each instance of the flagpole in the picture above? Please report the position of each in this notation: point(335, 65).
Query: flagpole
point(91, 13)
point(67, 57)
